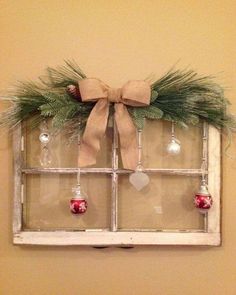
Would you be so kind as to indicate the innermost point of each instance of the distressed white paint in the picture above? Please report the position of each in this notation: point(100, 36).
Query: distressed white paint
point(211, 236)
point(214, 178)
point(17, 202)
point(116, 238)
point(167, 171)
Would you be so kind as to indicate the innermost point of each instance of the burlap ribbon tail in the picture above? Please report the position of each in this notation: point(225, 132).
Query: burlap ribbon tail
point(134, 93)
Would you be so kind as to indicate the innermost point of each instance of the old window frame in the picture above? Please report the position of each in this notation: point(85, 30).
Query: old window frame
point(211, 235)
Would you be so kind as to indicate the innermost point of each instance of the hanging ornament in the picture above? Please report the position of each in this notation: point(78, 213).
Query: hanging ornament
point(44, 138)
point(173, 147)
point(203, 200)
point(78, 204)
point(139, 179)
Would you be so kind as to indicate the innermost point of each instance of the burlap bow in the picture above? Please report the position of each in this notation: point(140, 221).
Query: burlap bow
point(134, 93)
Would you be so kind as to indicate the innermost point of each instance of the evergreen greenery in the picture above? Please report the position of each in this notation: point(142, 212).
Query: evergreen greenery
point(179, 96)
point(185, 98)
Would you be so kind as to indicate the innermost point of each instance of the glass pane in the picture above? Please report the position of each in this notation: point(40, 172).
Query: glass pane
point(63, 154)
point(166, 203)
point(156, 136)
point(47, 202)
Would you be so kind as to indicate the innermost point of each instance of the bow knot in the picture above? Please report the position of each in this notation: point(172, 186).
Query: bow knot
point(114, 94)
point(134, 93)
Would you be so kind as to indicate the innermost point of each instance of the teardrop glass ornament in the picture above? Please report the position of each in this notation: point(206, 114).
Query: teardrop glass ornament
point(45, 157)
point(45, 138)
point(139, 179)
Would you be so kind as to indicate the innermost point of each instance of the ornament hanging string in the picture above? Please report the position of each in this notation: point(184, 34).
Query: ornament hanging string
point(134, 93)
point(204, 154)
point(78, 173)
point(139, 179)
point(78, 204)
point(203, 199)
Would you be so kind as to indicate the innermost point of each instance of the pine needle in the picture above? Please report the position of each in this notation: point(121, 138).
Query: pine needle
point(185, 98)
point(179, 96)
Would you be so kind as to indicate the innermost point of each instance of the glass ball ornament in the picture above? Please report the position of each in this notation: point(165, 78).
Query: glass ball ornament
point(44, 138)
point(78, 204)
point(203, 199)
point(173, 148)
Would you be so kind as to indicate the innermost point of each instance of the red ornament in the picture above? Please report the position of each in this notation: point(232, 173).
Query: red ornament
point(203, 200)
point(78, 204)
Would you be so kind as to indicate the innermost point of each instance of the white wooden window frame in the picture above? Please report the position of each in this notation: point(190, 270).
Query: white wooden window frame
point(210, 235)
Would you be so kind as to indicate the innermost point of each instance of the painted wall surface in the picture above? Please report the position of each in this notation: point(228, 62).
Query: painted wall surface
point(116, 41)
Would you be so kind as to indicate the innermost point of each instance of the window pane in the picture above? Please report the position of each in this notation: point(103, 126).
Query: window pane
point(157, 135)
point(166, 203)
point(47, 202)
point(63, 154)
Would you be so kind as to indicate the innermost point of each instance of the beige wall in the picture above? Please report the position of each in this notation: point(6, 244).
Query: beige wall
point(118, 40)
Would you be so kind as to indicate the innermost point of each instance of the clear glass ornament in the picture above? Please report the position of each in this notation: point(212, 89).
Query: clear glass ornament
point(44, 138)
point(79, 192)
point(174, 147)
point(45, 157)
point(139, 179)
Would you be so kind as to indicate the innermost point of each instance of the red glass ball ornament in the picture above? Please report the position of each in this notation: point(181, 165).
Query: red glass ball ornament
point(78, 206)
point(203, 200)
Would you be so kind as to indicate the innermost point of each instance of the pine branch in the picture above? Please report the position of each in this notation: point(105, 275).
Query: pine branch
point(185, 98)
point(63, 108)
point(179, 96)
point(63, 76)
point(137, 117)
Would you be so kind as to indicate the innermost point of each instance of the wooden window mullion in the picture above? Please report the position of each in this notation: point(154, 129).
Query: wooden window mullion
point(114, 197)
